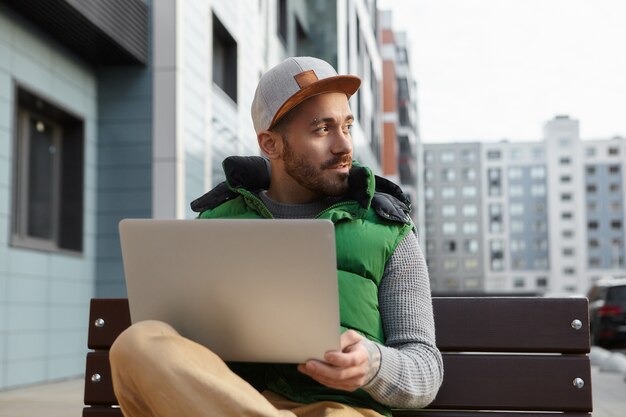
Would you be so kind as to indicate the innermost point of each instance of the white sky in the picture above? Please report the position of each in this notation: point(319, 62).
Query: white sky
point(499, 69)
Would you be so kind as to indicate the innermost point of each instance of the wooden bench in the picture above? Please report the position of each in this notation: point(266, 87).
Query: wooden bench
point(503, 356)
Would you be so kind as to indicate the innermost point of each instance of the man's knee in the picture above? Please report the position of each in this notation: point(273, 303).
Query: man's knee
point(138, 340)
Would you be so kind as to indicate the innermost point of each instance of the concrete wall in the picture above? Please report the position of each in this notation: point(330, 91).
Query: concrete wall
point(44, 296)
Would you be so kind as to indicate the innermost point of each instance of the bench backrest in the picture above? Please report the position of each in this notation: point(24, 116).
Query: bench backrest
point(502, 356)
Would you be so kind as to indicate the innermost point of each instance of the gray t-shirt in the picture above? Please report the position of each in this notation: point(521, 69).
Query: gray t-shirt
point(408, 369)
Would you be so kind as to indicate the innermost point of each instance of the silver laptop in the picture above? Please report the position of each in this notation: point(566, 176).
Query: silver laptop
point(250, 290)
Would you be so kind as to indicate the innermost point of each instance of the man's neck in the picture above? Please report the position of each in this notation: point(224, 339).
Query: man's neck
point(295, 211)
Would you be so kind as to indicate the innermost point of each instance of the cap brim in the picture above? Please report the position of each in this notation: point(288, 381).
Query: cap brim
point(347, 84)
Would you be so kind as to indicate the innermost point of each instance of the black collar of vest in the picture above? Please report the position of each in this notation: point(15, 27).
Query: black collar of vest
point(253, 173)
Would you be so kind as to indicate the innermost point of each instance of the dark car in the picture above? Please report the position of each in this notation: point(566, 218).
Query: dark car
point(607, 312)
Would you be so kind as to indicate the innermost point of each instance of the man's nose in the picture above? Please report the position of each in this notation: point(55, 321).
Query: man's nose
point(342, 143)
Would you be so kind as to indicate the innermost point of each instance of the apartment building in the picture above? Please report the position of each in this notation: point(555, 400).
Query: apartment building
point(552, 213)
point(453, 216)
point(401, 145)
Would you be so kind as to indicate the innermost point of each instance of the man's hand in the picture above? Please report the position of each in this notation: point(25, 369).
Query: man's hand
point(348, 369)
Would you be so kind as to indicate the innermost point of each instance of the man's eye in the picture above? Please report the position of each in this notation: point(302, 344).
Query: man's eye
point(322, 129)
point(347, 128)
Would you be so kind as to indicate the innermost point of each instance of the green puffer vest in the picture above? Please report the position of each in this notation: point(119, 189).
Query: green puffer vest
point(369, 224)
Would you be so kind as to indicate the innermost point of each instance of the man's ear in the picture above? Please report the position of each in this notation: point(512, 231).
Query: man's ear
point(270, 143)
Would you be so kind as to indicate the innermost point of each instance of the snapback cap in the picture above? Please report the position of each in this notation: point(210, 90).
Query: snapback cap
point(291, 82)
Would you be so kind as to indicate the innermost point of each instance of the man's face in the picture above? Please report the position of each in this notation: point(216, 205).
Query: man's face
point(317, 147)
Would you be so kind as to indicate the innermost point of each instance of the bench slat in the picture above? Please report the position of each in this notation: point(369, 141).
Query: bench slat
point(510, 324)
point(471, 382)
point(116, 318)
point(514, 382)
point(447, 413)
point(102, 412)
point(460, 324)
point(101, 392)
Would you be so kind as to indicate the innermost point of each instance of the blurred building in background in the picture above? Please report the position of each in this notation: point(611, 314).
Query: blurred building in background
point(401, 145)
point(535, 217)
point(125, 109)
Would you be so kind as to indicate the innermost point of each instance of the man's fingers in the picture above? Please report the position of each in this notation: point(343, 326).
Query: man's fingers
point(349, 338)
point(343, 378)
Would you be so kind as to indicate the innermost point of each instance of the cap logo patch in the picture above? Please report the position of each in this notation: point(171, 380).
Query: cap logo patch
point(306, 78)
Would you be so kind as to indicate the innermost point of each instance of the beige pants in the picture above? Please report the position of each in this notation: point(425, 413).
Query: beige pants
point(158, 373)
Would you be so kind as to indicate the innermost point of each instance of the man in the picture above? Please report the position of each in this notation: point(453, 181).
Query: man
point(388, 356)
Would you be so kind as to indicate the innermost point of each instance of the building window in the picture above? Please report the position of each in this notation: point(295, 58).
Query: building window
point(541, 244)
point(429, 174)
point(614, 188)
point(224, 59)
point(470, 264)
point(468, 155)
point(591, 170)
point(494, 154)
point(450, 264)
point(496, 248)
point(495, 185)
point(517, 245)
point(542, 282)
point(566, 197)
point(447, 156)
point(594, 243)
point(515, 173)
point(448, 228)
point(448, 210)
point(449, 246)
point(616, 224)
point(448, 174)
point(538, 190)
point(567, 234)
point(590, 151)
point(470, 228)
point(495, 218)
point(429, 193)
point(540, 226)
point(568, 251)
point(428, 157)
point(469, 191)
point(566, 179)
point(565, 160)
point(569, 271)
point(593, 225)
point(516, 191)
point(567, 215)
point(613, 151)
point(469, 174)
point(565, 142)
point(538, 172)
point(518, 263)
point(516, 209)
point(594, 261)
point(519, 282)
point(592, 188)
point(448, 192)
point(48, 205)
point(517, 226)
point(470, 245)
point(614, 169)
point(470, 210)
